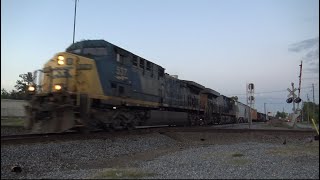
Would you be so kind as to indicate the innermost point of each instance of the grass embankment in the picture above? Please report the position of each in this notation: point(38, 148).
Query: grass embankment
point(12, 122)
point(279, 124)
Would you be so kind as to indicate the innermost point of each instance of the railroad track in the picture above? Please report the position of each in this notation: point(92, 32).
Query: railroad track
point(67, 136)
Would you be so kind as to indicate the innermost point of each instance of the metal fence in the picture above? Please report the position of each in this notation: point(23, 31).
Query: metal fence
point(12, 108)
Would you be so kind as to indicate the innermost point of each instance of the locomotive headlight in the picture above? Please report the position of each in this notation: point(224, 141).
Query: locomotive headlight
point(60, 60)
point(31, 88)
point(57, 87)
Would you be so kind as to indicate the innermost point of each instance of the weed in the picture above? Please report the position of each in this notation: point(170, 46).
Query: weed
point(122, 174)
point(239, 161)
point(237, 155)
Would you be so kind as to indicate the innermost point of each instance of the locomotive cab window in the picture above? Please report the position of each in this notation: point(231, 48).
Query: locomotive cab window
point(120, 58)
point(142, 63)
point(160, 72)
point(99, 51)
point(135, 60)
point(149, 65)
point(76, 51)
point(94, 51)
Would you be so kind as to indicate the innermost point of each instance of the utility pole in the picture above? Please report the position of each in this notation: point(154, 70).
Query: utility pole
point(299, 89)
point(74, 20)
point(308, 108)
point(313, 101)
point(302, 113)
point(265, 112)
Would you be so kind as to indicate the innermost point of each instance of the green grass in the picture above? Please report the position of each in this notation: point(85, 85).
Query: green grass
point(280, 124)
point(237, 155)
point(239, 161)
point(235, 158)
point(307, 149)
point(305, 122)
point(122, 174)
point(12, 122)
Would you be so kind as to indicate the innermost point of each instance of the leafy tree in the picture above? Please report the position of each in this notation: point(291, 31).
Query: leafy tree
point(22, 85)
point(308, 113)
point(5, 94)
point(281, 115)
point(12, 94)
point(21, 88)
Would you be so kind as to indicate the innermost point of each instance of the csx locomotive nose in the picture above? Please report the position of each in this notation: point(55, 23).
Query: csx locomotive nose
point(51, 108)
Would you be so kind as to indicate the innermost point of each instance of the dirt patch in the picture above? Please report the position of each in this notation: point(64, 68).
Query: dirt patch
point(129, 173)
point(302, 149)
point(130, 160)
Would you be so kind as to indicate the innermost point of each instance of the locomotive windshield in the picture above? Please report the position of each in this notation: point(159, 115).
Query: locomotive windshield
point(98, 51)
point(89, 48)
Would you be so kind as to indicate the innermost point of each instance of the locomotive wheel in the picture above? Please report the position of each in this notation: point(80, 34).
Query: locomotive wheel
point(115, 124)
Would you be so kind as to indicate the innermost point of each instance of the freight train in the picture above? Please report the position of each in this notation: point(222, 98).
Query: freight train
point(96, 84)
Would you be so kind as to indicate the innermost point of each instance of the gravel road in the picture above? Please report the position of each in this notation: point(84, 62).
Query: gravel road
point(169, 155)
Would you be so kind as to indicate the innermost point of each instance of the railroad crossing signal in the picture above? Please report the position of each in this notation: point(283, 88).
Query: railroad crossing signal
point(292, 97)
point(291, 93)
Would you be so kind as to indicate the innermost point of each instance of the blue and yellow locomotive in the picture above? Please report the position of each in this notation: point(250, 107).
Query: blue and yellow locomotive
point(100, 85)
point(97, 84)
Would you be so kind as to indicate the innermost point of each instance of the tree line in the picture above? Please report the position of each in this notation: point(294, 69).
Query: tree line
point(310, 111)
point(21, 87)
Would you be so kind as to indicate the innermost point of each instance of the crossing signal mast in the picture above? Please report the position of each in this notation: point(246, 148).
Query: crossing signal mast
point(250, 99)
point(292, 97)
point(250, 95)
point(298, 100)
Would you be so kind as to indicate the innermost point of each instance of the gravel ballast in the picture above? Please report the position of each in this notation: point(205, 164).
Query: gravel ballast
point(169, 155)
point(242, 160)
point(38, 159)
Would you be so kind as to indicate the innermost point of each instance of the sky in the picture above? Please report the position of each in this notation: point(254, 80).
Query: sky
point(221, 44)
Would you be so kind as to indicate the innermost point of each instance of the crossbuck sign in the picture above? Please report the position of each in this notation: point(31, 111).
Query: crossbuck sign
point(291, 93)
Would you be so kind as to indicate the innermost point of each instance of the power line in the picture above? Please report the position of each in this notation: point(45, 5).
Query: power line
point(272, 91)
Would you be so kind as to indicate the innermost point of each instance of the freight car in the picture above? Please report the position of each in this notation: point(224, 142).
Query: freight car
point(261, 117)
point(254, 115)
point(242, 113)
point(97, 84)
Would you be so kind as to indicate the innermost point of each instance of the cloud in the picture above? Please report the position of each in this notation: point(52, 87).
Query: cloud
point(312, 56)
point(304, 45)
point(314, 69)
point(309, 50)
